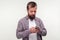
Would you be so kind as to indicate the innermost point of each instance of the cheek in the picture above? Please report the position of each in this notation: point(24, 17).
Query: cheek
point(30, 13)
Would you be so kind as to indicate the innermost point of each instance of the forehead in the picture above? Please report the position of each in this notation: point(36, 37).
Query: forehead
point(32, 8)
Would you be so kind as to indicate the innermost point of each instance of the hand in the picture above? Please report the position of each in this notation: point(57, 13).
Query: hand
point(37, 29)
point(33, 30)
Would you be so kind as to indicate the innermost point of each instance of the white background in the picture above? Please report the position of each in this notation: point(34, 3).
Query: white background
point(13, 10)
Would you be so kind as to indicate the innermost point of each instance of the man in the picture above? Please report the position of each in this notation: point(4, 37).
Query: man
point(31, 27)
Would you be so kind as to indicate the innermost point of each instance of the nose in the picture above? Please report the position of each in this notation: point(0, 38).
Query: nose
point(33, 13)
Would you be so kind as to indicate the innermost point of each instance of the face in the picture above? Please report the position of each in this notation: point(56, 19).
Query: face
point(32, 12)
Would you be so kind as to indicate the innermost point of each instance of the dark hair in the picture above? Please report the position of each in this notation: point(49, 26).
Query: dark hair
point(33, 4)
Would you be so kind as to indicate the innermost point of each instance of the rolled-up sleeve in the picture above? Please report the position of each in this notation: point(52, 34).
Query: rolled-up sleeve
point(42, 29)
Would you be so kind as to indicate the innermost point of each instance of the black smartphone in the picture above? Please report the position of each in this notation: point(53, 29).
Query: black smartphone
point(37, 28)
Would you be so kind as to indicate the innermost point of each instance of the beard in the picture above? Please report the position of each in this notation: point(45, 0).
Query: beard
point(31, 17)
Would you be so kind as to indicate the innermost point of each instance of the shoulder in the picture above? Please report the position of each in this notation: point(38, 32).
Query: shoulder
point(21, 20)
point(38, 19)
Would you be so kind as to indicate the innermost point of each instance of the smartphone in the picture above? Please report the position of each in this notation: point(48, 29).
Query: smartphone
point(37, 28)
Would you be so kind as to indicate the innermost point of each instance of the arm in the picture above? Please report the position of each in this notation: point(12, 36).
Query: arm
point(42, 30)
point(20, 33)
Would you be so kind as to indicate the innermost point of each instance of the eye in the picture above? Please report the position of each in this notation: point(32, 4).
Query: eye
point(31, 11)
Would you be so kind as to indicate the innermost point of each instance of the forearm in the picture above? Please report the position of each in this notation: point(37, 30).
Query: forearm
point(22, 34)
point(42, 32)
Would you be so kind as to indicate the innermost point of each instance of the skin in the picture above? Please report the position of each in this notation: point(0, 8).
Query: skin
point(32, 11)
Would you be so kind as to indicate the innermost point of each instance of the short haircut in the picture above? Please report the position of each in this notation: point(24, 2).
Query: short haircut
point(33, 4)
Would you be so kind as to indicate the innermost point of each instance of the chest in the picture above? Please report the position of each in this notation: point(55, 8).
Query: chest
point(28, 24)
point(32, 23)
